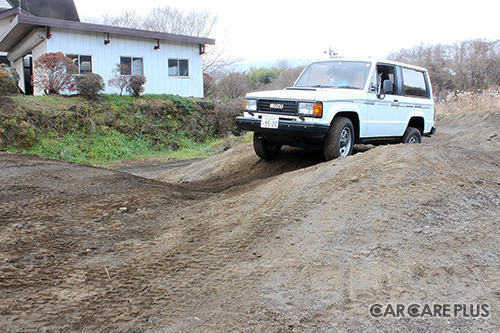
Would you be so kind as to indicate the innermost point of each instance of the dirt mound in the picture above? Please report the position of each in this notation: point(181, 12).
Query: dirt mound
point(476, 131)
point(233, 243)
point(236, 167)
point(239, 166)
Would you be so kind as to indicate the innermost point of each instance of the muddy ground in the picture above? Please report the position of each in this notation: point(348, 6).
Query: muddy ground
point(236, 244)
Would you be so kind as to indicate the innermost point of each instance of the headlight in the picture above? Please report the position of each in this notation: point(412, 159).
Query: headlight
point(250, 105)
point(311, 109)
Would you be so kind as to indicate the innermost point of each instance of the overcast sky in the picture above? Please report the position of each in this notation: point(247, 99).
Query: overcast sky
point(270, 30)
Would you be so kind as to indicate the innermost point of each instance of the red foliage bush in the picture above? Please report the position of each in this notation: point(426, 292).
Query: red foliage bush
point(53, 72)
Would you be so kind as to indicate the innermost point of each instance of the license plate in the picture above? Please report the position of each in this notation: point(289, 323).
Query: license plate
point(270, 122)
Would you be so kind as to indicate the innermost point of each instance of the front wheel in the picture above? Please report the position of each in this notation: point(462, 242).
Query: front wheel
point(264, 148)
point(339, 140)
point(412, 135)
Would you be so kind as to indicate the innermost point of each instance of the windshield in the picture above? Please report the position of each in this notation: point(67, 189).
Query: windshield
point(335, 74)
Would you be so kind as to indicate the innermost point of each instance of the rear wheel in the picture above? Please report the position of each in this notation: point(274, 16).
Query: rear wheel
point(412, 135)
point(264, 148)
point(339, 140)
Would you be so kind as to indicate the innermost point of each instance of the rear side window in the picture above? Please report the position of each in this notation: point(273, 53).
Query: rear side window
point(415, 83)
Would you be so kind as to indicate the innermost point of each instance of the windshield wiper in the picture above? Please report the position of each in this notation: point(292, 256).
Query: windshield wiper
point(321, 86)
point(347, 87)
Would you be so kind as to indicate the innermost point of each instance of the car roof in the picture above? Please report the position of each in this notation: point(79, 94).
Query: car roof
point(373, 61)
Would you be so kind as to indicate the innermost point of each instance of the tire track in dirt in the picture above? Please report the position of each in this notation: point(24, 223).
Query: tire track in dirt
point(233, 243)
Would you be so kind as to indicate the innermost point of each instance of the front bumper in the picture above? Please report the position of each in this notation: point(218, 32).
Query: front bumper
point(285, 128)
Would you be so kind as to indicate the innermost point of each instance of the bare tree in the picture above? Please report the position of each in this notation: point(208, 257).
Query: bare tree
point(164, 19)
point(216, 62)
point(127, 19)
point(118, 80)
point(476, 64)
point(436, 58)
point(233, 85)
point(467, 65)
point(171, 20)
point(287, 78)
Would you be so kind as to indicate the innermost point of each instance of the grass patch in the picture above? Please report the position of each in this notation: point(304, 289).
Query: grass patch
point(190, 150)
point(114, 128)
point(98, 147)
point(111, 147)
point(458, 103)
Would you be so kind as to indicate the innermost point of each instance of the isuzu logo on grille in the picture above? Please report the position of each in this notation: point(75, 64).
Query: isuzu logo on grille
point(276, 106)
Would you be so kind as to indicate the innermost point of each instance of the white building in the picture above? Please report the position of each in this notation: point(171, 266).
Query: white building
point(171, 63)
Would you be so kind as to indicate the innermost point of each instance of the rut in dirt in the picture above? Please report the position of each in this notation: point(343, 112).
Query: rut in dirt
point(240, 166)
point(231, 243)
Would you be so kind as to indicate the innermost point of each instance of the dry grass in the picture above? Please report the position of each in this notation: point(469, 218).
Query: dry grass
point(461, 102)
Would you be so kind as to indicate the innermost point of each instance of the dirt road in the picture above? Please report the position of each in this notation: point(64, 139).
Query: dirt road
point(233, 243)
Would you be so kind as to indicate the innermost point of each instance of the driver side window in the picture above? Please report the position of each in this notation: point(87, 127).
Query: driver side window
point(387, 72)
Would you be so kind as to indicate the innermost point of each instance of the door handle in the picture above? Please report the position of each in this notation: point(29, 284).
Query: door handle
point(396, 101)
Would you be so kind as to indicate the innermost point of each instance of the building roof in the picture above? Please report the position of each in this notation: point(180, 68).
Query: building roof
point(57, 9)
point(22, 24)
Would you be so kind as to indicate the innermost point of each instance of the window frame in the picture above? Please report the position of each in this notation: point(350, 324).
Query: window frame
point(178, 62)
point(78, 63)
point(131, 69)
point(425, 80)
point(396, 73)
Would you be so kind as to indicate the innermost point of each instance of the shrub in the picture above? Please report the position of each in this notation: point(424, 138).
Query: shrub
point(16, 132)
point(8, 83)
point(223, 117)
point(53, 73)
point(264, 75)
point(233, 85)
point(136, 85)
point(89, 85)
point(209, 86)
point(118, 80)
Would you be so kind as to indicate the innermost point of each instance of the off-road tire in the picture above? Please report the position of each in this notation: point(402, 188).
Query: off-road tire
point(412, 135)
point(339, 140)
point(264, 148)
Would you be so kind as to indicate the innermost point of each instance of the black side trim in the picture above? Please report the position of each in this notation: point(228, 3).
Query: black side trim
point(379, 140)
point(432, 132)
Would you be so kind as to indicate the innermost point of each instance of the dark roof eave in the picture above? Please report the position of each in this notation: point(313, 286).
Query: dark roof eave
point(8, 12)
point(42, 21)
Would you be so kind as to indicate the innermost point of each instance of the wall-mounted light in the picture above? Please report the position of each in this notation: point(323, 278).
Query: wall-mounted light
point(107, 41)
point(157, 46)
point(202, 49)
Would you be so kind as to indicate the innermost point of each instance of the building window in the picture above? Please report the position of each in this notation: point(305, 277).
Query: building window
point(82, 62)
point(178, 67)
point(131, 66)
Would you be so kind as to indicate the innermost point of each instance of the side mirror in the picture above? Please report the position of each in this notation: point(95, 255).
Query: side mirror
point(387, 87)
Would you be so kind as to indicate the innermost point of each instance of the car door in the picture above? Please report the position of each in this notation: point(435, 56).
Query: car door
point(416, 100)
point(384, 115)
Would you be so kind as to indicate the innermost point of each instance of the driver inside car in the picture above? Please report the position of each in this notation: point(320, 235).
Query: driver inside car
point(336, 79)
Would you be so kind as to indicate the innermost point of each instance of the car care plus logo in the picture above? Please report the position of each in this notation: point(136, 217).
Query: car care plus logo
point(444, 310)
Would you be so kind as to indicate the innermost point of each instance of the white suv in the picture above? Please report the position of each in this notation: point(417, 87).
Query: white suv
point(337, 103)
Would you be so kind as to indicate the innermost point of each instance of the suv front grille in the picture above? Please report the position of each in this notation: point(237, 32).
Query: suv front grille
point(277, 106)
